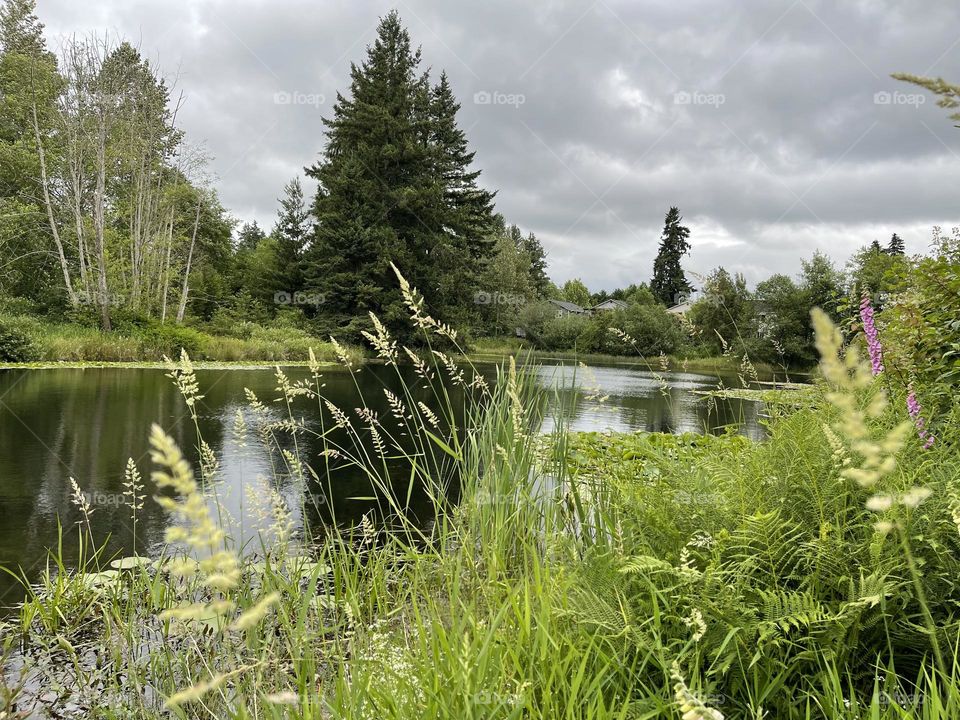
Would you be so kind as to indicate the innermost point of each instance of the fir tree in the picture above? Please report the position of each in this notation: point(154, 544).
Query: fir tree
point(378, 199)
point(669, 284)
point(539, 281)
point(292, 233)
point(249, 236)
point(468, 208)
point(896, 245)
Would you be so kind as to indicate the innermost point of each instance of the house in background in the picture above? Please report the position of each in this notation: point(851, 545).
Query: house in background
point(565, 308)
point(610, 305)
point(680, 309)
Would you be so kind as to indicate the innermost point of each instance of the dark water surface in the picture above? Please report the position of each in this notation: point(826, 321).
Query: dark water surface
point(86, 423)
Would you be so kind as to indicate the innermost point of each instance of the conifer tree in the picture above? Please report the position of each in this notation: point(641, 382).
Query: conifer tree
point(292, 233)
point(377, 201)
point(896, 245)
point(394, 185)
point(539, 281)
point(468, 208)
point(669, 283)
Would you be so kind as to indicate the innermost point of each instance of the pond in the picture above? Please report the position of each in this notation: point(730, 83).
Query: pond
point(85, 423)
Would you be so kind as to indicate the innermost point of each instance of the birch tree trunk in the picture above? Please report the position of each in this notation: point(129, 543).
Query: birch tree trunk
point(181, 311)
point(54, 230)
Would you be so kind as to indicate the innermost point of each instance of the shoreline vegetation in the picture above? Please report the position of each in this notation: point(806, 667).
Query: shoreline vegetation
point(63, 345)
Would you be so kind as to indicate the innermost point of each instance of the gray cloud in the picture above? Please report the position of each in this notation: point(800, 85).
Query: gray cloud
point(760, 120)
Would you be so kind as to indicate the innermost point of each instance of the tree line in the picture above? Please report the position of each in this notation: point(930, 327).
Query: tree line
point(106, 217)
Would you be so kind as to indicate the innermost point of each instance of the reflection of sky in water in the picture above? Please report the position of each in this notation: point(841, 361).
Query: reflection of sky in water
point(634, 401)
point(57, 424)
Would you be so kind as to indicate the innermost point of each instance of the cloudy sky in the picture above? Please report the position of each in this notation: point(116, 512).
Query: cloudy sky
point(774, 125)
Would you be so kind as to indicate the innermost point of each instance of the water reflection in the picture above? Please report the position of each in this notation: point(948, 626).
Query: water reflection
point(58, 424)
point(624, 399)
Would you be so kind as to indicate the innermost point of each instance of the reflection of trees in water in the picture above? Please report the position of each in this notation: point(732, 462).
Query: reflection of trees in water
point(86, 423)
point(651, 410)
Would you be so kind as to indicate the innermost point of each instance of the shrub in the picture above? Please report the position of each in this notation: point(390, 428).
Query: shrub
point(562, 333)
point(15, 343)
point(168, 339)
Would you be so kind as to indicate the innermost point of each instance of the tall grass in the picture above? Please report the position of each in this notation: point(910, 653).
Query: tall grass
point(576, 576)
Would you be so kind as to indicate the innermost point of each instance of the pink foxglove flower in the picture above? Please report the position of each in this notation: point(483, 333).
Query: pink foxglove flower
point(913, 407)
point(873, 337)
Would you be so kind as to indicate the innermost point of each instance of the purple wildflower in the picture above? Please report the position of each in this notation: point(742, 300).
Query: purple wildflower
point(913, 407)
point(873, 337)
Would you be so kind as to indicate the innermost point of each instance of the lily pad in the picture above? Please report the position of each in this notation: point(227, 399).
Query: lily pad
point(99, 579)
point(128, 563)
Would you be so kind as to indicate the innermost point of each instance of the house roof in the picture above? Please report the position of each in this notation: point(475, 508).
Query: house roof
point(680, 309)
point(612, 303)
point(568, 306)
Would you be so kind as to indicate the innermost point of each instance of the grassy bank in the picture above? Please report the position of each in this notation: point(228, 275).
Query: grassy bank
point(26, 339)
point(579, 575)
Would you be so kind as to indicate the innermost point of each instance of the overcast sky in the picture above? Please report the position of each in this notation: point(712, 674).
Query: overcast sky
point(773, 125)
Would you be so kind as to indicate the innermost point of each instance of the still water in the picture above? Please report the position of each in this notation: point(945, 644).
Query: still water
point(86, 423)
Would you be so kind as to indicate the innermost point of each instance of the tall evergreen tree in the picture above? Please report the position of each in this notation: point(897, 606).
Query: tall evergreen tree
point(377, 201)
point(669, 283)
point(21, 31)
point(249, 236)
point(394, 186)
point(468, 208)
point(292, 232)
point(539, 280)
point(896, 245)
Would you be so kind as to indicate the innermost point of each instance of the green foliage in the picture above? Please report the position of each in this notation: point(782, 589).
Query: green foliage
point(723, 314)
point(588, 571)
point(921, 326)
point(15, 342)
point(505, 285)
point(575, 291)
point(874, 271)
point(169, 339)
point(563, 332)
